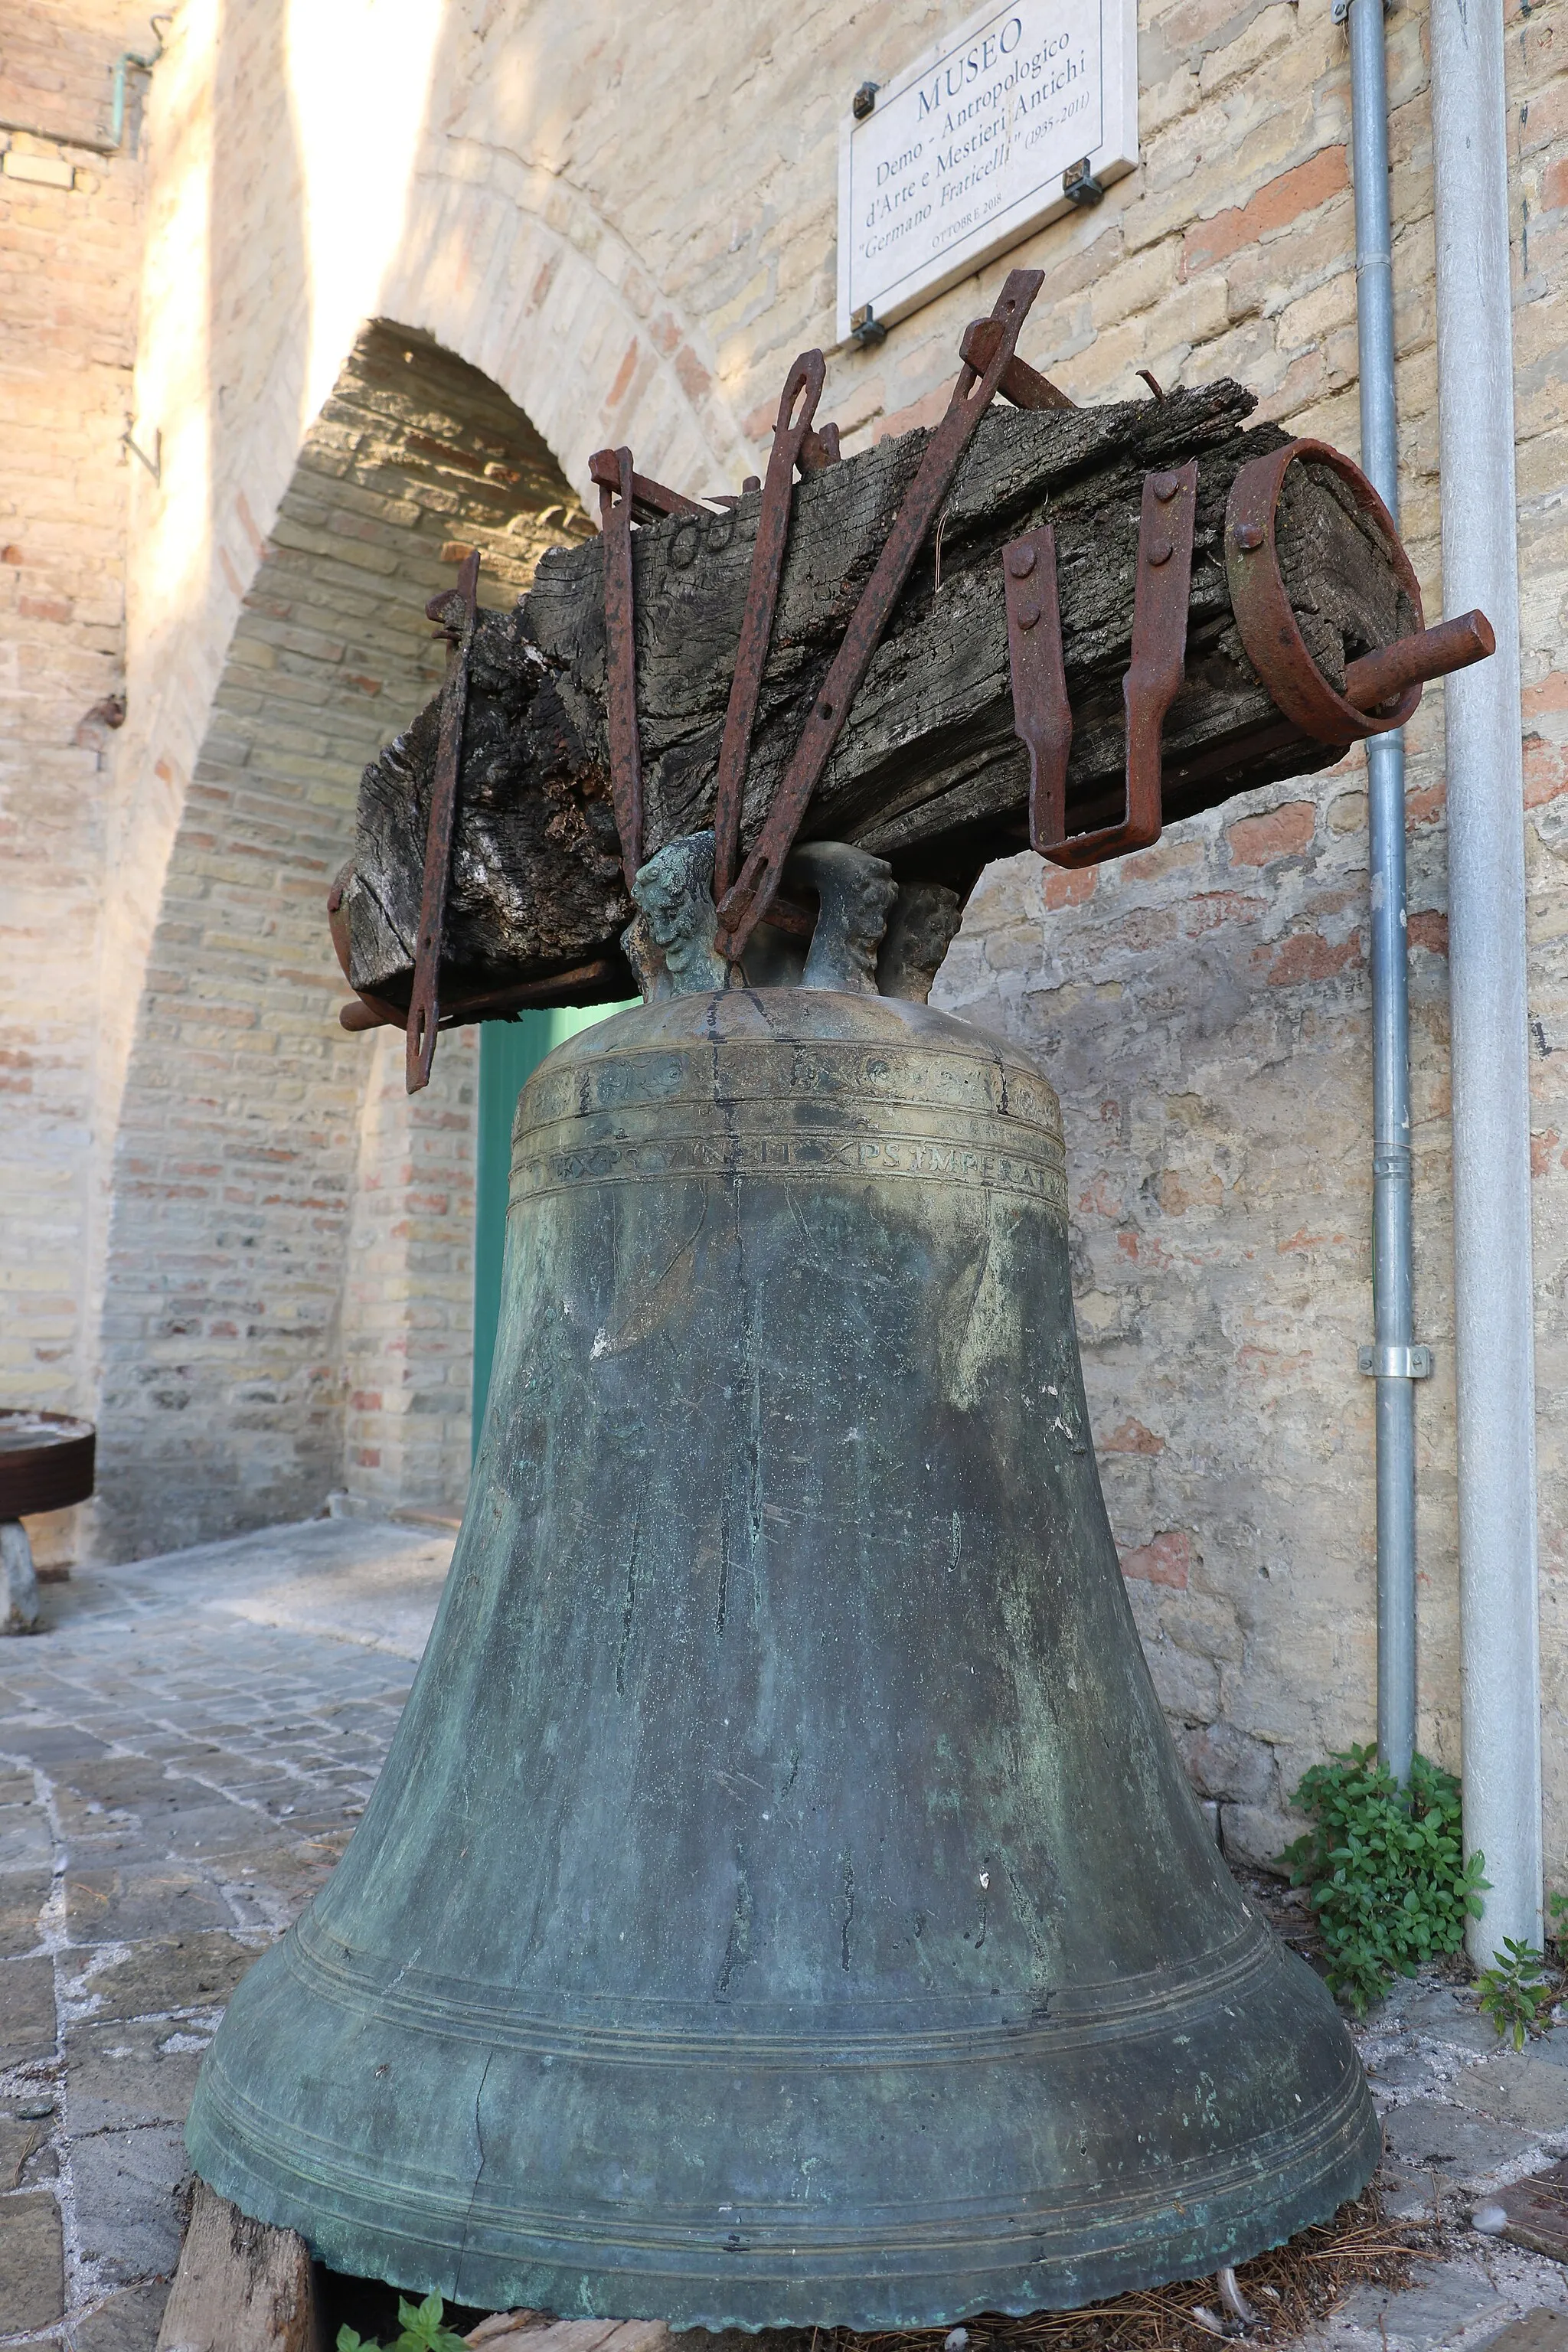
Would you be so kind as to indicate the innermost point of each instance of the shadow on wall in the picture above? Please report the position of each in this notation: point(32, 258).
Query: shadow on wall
point(288, 1306)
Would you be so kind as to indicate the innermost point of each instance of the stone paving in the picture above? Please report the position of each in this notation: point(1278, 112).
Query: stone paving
point(184, 1752)
point(182, 1756)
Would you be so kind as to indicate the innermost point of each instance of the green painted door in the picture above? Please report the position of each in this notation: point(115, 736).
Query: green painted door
point(509, 1052)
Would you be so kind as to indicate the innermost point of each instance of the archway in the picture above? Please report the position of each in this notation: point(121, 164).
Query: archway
point(287, 1305)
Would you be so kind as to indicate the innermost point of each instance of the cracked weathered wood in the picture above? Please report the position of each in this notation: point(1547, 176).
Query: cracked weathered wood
point(241, 2286)
point(928, 772)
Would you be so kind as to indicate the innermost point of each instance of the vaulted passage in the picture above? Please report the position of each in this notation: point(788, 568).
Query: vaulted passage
point(288, 1293)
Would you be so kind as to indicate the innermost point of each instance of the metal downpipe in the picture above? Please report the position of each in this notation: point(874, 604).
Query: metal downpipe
point(1493, 1301)
point(1392, 1331)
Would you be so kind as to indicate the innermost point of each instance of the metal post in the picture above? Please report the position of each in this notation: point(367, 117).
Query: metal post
point(1393, 1361)
point(1499, 1609)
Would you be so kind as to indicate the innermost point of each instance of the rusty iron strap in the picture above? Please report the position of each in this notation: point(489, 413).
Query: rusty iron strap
point(797, 408)
point(749, 897)
point(621, 654)
point(1161, 590)
point(650, 500)
point(1042, 716)
point(626, 497)
point(1261, 603)
point(1021, 384)
point(455, 611)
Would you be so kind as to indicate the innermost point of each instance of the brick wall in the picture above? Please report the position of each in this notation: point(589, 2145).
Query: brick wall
point(70, 228)
point(408, 1292)
point(258, 1158)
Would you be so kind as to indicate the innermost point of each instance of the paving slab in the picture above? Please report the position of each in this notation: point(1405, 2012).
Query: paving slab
point(128, 2210)
point(137, 1899)
point(24, 1843)
point(27, 2026)
point(23, 1894)
point(124, 2074)
point(1541, 2330)
point(162, 1976)
point(1428, 2135)
point(31, 2262)
point(1448, 2015)
point(128, 2322)
point(1449, 2301)
point(1527, 2089)
point(1410, 2196)
point(20, 2139)
point(1405, 2070)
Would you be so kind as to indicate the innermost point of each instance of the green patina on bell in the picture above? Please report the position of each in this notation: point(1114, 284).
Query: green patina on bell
point(782, 1901)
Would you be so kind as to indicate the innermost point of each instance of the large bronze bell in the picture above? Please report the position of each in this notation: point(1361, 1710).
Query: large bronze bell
point(782, 1901)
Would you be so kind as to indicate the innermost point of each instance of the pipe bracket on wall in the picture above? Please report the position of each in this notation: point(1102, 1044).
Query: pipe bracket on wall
point(1395, 1363)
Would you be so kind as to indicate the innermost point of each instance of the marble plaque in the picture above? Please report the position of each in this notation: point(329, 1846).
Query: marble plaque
point(963, 152)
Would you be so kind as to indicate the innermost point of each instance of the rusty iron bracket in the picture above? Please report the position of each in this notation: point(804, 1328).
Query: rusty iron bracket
point(618, 498)
point(455, 611)
point(798, 407)
point(819, 450)
point(626, 497)
point(750, 896)
point(1272, 636)
point(1024, 386)
point(1042, 717)
point(650, 500)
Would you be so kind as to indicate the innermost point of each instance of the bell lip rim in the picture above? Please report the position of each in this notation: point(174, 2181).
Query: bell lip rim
point(1196, 2251)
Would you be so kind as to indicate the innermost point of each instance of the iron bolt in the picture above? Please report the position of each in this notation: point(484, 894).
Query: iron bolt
point(864, 100)
point(1248, 535)
point(1020, 561)
point(1029, 613)
point(1159, 551)
point(1166, 487)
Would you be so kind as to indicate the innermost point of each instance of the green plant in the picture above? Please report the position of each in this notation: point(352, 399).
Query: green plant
point(1515, 1989)
point(1390, 1883)
point(422, 2325)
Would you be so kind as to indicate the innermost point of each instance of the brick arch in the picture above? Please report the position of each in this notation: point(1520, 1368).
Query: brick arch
point(524, 277)
point(287, 1301)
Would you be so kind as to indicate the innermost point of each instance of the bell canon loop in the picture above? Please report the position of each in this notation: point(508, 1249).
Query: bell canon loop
point(782, 1903)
